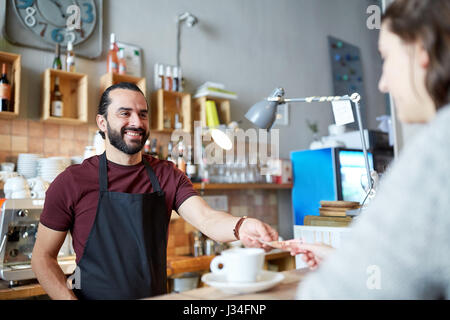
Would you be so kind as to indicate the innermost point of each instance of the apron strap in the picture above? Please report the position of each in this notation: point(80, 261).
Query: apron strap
point(103, 174)
point(152, 176)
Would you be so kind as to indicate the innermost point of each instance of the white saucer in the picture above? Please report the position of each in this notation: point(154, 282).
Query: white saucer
point(266, 280)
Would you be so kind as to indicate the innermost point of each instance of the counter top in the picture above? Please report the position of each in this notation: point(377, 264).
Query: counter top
point(175, 265)
point(285, 290)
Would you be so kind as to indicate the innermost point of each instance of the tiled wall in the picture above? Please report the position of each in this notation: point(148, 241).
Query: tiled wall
point(32, 136)
point(50, 140)
point(260, 204)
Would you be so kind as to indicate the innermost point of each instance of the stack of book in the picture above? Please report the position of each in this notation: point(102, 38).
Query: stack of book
point(337, 208)
point(214, 90)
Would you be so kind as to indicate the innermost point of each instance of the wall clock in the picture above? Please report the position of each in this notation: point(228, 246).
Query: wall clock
point(44, 23)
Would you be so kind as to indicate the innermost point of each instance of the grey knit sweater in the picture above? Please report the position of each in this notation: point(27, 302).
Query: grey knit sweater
point(400, 246)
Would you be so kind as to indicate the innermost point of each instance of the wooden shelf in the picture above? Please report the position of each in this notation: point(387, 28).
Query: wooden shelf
point(222, 105)
point(110, 79)
point(13, 67)
point(241, 186)
point(167, 104)
point(74, 88)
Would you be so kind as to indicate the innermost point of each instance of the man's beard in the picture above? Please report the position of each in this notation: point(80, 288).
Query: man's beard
point(116, 139)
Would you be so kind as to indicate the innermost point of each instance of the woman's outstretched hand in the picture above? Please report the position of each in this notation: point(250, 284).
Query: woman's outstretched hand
point(313, 254)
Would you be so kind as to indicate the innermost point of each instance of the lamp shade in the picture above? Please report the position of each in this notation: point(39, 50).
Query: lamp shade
point(263, 113)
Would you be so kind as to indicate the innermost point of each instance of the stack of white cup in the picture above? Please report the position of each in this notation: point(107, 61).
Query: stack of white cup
point(17, 188)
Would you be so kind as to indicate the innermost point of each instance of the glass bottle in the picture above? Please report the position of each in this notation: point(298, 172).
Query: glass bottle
point(57, 100)
point(191, 168)
point(5, 91)
point(161, 81)
point(57, 60)
point(70, 58)
point(122, 62)
point(180, 80)
point(176, 79)
point(147, 147)
point(168, 85)
point(169, 152)
point(181, 163)
point(112, 61)
point(178, 125)
point(153, 147)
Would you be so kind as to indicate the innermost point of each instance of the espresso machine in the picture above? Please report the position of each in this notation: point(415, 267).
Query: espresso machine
point(19, 220)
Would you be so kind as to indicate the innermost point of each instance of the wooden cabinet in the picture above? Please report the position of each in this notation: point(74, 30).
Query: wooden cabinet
point(110, 79)
point(13, 67)
point(165, 105)
point(222, 105)
point(74, 88)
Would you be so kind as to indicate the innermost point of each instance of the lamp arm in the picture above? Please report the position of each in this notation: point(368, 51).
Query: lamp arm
point(355, 98)
point(363, 143)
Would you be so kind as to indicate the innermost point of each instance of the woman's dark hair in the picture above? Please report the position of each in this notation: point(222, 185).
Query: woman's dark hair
point(105, 101)
point(429, 22)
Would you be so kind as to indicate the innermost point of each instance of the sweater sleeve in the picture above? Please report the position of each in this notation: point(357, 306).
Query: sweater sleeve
point(399, 247)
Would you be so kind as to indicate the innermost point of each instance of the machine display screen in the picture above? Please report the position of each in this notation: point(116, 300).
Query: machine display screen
point(353, 174)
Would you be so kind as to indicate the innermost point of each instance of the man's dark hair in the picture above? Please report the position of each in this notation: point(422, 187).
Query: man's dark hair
point(105, 100)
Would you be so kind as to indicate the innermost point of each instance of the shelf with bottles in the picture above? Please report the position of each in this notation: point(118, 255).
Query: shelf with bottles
point(110, 79)
point(169, 108)
point(73, 89)
point(222, 107)
point(10, 92)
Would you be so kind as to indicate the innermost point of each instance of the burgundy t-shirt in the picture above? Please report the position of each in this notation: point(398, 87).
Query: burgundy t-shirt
point(72, 198)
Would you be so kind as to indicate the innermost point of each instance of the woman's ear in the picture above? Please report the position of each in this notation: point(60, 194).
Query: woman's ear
point(422, 55)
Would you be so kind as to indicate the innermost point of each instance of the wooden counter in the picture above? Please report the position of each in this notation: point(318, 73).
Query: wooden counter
point(241, 186)
point(175, 265)
point(285, 290)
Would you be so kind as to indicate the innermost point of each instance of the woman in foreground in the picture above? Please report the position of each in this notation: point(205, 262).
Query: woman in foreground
point(400, 247)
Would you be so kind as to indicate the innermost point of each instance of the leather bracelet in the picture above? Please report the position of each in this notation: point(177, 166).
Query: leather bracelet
point(238, 225)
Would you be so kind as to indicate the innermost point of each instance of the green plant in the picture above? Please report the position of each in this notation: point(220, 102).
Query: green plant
point(313, 126)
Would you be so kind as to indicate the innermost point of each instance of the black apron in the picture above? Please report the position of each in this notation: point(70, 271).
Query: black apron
point(125, 253)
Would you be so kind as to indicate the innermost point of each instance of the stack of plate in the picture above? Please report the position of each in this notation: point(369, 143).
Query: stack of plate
point(76, 159)
point(50, 168)
point(27, 164)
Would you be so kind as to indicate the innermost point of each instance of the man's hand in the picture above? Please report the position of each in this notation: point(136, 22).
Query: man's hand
point(219, 225)
point(252, 229)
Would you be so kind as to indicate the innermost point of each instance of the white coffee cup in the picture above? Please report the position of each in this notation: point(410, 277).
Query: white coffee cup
point(239, 264)
point(7, 166)
point(5, 175)
point(38, 184)
point(22, 194)
point(16, 184)
point(37, 194)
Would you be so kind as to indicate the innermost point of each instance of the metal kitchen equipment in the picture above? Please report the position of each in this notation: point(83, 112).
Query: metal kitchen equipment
point(19, 219)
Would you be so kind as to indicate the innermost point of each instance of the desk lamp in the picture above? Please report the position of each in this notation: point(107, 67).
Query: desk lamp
point(263, 114)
